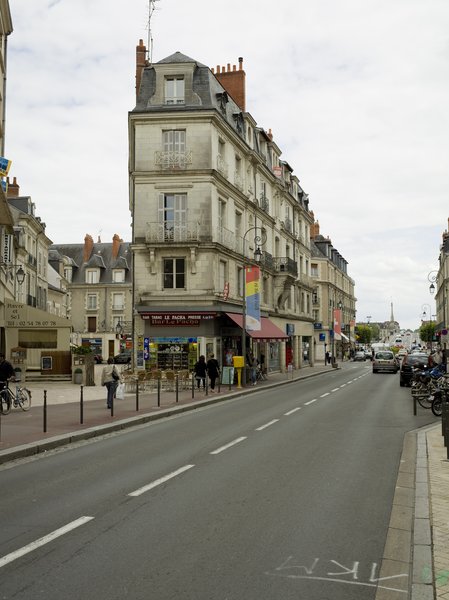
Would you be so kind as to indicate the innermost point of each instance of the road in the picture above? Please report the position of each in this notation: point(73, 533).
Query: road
point(283, 494)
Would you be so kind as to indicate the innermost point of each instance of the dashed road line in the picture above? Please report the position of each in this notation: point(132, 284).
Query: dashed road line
point(290, 412)
point(233, 443)
point(335, 389)
point(43, 540)
point(159, 481)
point(267, 425)
point(309, 402)
point(324, 395)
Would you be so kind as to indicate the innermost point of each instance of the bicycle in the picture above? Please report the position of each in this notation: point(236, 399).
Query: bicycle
point(20, 399)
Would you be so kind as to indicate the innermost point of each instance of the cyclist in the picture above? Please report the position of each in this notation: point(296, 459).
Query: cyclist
point(6, 370)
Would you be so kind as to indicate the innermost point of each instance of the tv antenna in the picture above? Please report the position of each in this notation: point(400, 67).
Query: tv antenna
point(151, 9)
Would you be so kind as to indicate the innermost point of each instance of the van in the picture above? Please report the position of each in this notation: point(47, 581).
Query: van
point(384, 361)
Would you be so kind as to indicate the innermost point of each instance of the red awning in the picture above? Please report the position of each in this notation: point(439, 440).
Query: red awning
point(269, 332)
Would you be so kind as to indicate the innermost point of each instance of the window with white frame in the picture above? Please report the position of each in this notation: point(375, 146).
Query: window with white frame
point(91, 301)
point(221, 214)
point(172, 217)
point(92, 275)
point(118, 275)
point(174, 140)
point(68, 274)
point(118, 301)
point(174, 90)
point(174, 273)
point(314, 270)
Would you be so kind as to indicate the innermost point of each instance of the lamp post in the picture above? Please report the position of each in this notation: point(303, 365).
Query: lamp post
point(259, 240)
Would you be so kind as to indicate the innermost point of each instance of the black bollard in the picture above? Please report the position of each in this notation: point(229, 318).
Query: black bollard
point(158, 391)
point(81, 406)
point(137, 395)
point(177, 387)
point(45, 411)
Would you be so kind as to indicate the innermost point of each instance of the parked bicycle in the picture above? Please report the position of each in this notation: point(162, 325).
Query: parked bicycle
point(8, 399)
point(424, 384)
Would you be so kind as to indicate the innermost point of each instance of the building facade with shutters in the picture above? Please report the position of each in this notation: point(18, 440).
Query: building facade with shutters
point(208, 192)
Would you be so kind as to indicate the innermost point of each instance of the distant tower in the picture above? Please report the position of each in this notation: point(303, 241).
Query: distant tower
point(392, 316)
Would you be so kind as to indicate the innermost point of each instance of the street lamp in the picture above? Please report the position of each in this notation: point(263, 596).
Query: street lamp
point(424, 312)
point(259, 240)
point(20, 273)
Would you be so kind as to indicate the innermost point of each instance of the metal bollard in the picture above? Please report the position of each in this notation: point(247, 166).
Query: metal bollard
point(81, 406)
point(207, 387)
point(159, 392)
point(445, 423)
point(112, 406)
point(137, 395)
point(177, 387)
point(193, 386)
point(45, 411)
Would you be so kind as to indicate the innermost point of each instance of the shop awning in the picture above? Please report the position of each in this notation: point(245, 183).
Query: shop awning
point(269, 332)
point(345, 337)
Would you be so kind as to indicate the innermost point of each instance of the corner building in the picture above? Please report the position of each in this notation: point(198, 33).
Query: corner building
point(208, 189)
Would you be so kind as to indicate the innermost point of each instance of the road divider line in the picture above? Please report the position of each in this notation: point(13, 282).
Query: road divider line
point(267, 425)
point(309, 402)
point(159, 481)
point(335, 389)
point(324, 395)
point(290, 412)
point(43, 540)
point(343, 385)
point(233, 443)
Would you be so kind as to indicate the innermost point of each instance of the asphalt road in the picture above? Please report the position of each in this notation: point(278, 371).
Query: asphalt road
point(285, 494)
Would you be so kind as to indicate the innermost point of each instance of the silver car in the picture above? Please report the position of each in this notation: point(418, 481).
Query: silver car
point(384, 361)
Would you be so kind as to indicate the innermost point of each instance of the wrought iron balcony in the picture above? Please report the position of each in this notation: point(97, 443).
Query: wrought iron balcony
point(286, 265)
point(172, 159)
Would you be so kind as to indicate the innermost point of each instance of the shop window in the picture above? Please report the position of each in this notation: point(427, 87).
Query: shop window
point(174, 273)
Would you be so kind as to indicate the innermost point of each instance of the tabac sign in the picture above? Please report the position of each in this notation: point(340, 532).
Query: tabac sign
point(177, 319)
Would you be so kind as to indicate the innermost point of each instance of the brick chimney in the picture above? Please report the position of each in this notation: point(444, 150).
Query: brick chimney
point(315, 230)
point(116, 241)
point(12, 189)
point(88, 247)
point(233, 82)
point(141, 63)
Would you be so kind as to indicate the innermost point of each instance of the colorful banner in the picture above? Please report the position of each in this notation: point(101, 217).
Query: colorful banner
point(252, 295)
point(5, 165)
point(337, 324)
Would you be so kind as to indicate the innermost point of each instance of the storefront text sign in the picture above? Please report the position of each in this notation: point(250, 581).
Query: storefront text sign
point(17, 315)
point(177, 319)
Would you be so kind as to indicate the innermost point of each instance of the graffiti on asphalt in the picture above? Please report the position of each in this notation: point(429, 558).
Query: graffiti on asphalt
point(333, 571)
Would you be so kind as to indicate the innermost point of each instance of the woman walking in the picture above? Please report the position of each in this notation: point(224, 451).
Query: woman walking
point(200, 370)
point(213, 370)
point(110, 377)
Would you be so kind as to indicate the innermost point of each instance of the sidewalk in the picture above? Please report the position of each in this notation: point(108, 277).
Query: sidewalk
point(27, 433)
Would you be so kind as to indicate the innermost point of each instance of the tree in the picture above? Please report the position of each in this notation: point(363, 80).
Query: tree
point(363, 334)
point(427, 331)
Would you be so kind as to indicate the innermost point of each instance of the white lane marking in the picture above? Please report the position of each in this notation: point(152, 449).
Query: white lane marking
point(343, 385)
point(43, 540)
point(290, 412)
point(159, 481)
point(324, 395)
point(267, 424)
point(237, 441)
point(335, 389)
point(309, 402)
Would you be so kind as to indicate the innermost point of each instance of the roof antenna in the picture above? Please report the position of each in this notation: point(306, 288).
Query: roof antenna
point(151, 9)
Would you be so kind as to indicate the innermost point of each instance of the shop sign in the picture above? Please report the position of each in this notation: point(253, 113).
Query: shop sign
point(177, 319)
point(290, 329)
point(318, 326)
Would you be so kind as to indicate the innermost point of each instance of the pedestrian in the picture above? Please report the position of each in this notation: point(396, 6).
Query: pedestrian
point(213, 371)
point(6, 371)
point(327, 358)
point(110, 378)
point(200, 370)
point(254, 368)
point(263, 369)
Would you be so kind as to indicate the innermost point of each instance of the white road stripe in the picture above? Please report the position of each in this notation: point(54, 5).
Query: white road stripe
point(43, 540)
point(267, 425)
point(335, 389)
point(324, 395)
point(290, 412)
point(343, 385)
point(157, 482)
point(310, 402)
point(237, 441)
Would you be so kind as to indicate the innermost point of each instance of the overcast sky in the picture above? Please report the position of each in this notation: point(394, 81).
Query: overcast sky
point(356, 93)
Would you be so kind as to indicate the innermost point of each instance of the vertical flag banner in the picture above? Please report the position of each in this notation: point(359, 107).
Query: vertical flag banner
point(337, 324)
point(5, 165)
point(252, 294)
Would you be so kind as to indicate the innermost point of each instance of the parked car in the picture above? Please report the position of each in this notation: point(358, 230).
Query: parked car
point(409, 362)
point(385, 361)
point(368, 354)
point(124, 358)
point(359, 356)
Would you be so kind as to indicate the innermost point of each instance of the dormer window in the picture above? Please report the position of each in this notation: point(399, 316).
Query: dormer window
point(174, 90)
point(118, 275)
point(92, 275)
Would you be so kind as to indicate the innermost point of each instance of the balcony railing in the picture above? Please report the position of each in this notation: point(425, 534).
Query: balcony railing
point(169, 232)
point(268, 261)
point(264, 203)
point(286, 265)
point(172, 159)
